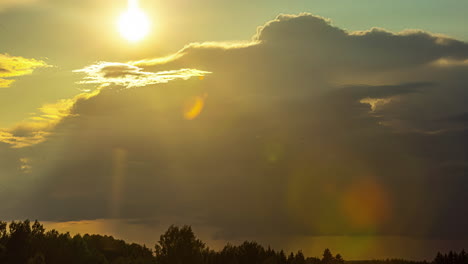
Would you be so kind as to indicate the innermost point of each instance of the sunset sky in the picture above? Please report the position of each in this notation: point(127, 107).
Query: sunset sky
point(301, 124)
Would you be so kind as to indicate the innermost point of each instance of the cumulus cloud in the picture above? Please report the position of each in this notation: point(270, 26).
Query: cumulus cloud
point(11, 66)
point(308, 129)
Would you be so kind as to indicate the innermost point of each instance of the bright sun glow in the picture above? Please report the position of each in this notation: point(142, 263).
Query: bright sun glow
point(134, 25)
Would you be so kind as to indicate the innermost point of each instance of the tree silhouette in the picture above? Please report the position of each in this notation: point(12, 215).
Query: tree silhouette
point(327, 257)
point(3, 239)
point(179, 246)
point(18, 244)
point(451, 258)
point(26, 243)
point(339, 259)
point(299, 258)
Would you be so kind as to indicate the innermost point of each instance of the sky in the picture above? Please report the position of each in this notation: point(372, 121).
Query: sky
point(298, 124)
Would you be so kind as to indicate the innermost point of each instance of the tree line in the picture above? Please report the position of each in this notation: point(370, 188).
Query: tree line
point(451, 258)
point(23, 242)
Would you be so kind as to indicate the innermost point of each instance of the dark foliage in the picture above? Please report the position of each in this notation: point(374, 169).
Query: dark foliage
point(451, 258)
point(23, 243)
point(26, 243)
point(387, 261)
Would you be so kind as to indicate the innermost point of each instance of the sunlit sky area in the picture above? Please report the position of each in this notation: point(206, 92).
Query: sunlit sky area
point(303, 124)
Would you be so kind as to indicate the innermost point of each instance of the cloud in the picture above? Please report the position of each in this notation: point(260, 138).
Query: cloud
point(6, 83)
point(34, 137)
point(376, 103)
point(275, 142)
point(11, 66)
point(127, 75)
point(40, 125)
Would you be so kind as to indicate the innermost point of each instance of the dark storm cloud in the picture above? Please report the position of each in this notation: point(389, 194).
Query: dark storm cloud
point(308, 130)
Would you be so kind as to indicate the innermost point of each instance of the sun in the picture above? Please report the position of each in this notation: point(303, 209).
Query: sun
point(134, 24)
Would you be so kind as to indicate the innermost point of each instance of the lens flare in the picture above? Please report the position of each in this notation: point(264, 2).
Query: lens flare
point(366, 204)
point(193, 107)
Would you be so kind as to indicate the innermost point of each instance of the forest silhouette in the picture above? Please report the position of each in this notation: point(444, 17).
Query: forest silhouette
point(23, 242)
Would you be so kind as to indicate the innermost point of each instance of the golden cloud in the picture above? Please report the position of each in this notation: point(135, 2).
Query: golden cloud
point(11, 66)
point(194, 45)
point(33, 138)
point(129, 76)
point(35, 129)
point(376, 103)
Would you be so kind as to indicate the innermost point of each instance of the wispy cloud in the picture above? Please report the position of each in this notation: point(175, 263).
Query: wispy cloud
point(129, 76)
point(11, 66)
point(33, 138)
point(37, 128)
